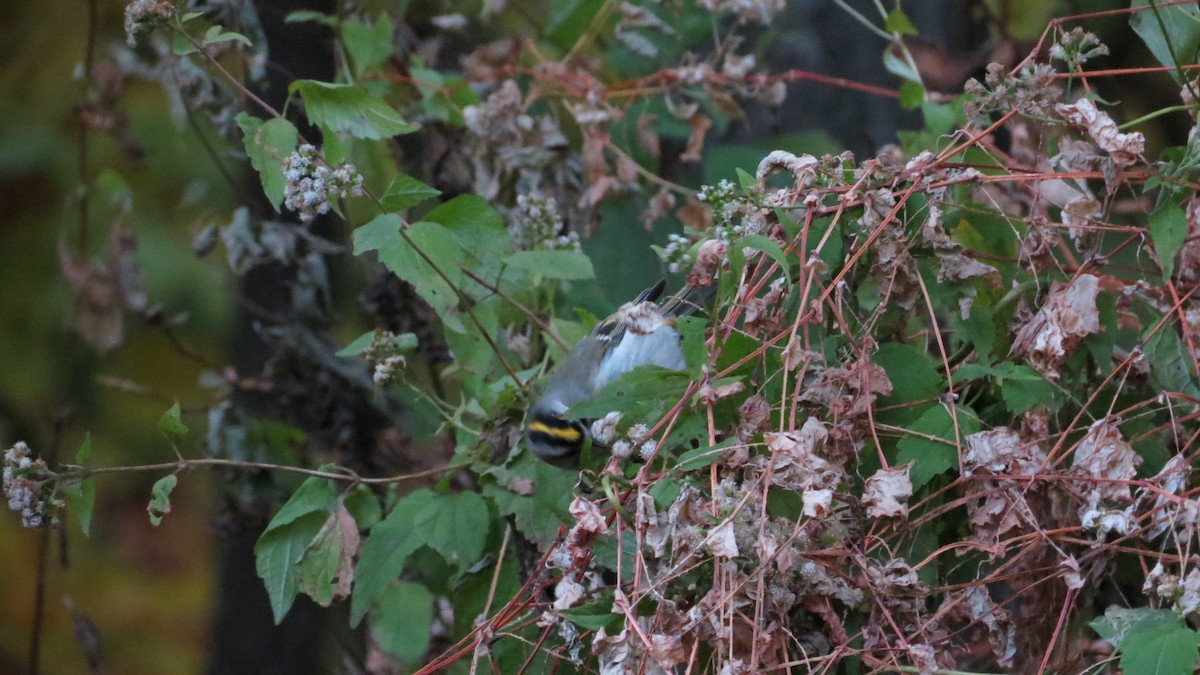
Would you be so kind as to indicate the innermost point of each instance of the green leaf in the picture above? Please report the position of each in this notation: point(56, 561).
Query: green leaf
point(180, 45)
point(912, 95)
point(745, 178)
point(569, 20)
point(439, 245)
point(171, 426)
point(276, 554)
point(216, 34)
point(1168, 228)
point(941, 118)
point(1023, 387)
point(404, 342)
point(383, 230)
point(540, 514)
point(268, 144)
point(466, 213)
point(306, 15)
point(593, 615)
point(1178, 32)
point(85, 450)
point(481, 233)
point(398, 255)
point(326, 569)
point(1117, 621)
point(699, 458)
point(979, 330)
point(1170, 362)
point(695, 348)
point(771, 248)
point(783, 503)
point(315, 495)
point(443, 96)
point(1159, 644)
point(369, 44)
point(456, 526)
point(362, 503)
point(644, 387)
point(160, 498)
point(933, 457)
point(553, 264)
point(81, 498)
point(387, 548)
point(915, 378)
point(350, 109)
point(401, 620)
point(405, 191)
point(898, 22)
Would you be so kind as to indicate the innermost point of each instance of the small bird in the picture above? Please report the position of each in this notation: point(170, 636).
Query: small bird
point(636, 335)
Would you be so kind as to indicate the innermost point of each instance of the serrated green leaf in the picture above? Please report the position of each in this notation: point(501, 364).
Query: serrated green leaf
point(540, 514)
point(398, 255)
point(267, 145)
point(915, 378)
point(1171, 32)
point(383, 230)
point(1168, 228)
point(1023, 387)
point(934, 457)
point(456, 526)
point(553, 264)
point(315, 495)
point(401, 620)
point(1170, 363)
point(439, 245)
point(81, 499)
point(160, 498)
point(171, 426)
point(362, 503)
point(443, 96)
point(276, 554)
point(405, 191)
point(466, 213)
point(386, 550)
point(369, 44)
point(350, 109)
point(480, 231)
point(325, 570)
point(1159, 644)
point(1117, 621)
